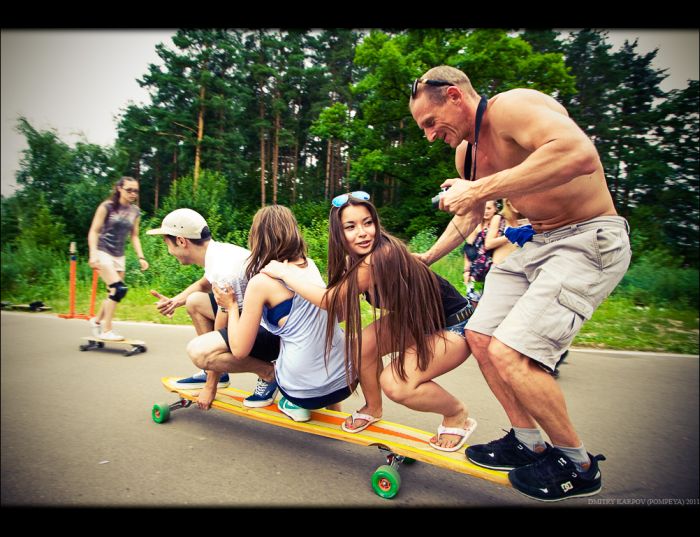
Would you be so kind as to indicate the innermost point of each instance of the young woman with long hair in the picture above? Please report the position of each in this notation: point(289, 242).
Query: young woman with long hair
point(115, 218)
point(307, 375)
point(421, 324)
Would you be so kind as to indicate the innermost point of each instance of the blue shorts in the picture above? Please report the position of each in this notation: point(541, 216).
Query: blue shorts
point(458, 328)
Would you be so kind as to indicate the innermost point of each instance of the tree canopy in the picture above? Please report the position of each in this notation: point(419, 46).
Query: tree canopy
point(238, 119)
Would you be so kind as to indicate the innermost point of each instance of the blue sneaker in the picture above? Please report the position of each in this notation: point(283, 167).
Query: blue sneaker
point(506, 453)
point(263, 395)
point(293, 411)
point(197, 382)
point(555, 477)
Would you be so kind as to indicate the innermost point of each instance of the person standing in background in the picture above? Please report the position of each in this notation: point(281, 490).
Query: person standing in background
point(114, 220)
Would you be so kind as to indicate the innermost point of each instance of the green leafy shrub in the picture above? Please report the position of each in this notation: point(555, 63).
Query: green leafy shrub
point(309, 212)
point(316, 237)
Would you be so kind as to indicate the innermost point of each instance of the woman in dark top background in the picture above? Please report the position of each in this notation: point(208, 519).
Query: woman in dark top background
point(116, 218)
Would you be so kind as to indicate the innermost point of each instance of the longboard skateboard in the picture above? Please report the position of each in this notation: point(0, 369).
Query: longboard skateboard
point(400, 443)
point(34, 306)
point(93, 342)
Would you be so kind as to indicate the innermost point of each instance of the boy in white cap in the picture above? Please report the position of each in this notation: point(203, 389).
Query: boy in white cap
point(188, 238)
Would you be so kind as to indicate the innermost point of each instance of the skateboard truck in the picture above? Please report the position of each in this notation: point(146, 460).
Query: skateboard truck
point(161, 411)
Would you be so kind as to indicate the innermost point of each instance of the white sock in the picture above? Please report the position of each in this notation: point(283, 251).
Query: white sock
point(531, 438)
point(577, 455)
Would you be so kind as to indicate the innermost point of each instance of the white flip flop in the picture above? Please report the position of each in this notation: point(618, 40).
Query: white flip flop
point(464, 433)
point(357, 416)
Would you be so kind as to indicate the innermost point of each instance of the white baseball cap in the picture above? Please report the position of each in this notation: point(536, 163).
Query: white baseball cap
point(181, 223)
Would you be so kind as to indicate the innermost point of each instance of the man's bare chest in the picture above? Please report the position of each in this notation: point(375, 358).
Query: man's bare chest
point(493, 157)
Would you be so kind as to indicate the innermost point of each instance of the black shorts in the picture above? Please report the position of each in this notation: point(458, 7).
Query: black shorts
point(313, 403)
point(266, 346)
point(214, 305)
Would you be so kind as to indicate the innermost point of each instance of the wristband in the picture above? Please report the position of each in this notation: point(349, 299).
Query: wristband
point(142, 258)
point(224, 310)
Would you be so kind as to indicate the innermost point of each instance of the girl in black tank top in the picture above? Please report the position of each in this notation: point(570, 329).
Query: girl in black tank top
point(417, 307)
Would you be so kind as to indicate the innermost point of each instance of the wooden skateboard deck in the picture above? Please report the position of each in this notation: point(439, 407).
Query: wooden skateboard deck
point(402, 443)
point(137, 346)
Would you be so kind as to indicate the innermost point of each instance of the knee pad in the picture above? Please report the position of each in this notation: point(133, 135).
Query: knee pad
point(120, 290)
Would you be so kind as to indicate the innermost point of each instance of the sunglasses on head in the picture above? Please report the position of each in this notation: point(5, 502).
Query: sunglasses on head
point(429, 82)
point(342, 199)
point(132, 190)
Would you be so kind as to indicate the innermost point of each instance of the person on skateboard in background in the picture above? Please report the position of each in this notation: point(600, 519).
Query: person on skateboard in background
point(115, 219)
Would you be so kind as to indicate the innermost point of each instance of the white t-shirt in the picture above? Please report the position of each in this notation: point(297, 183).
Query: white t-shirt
point(225, 264)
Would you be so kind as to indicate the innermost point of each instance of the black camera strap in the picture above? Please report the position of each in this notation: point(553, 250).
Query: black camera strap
point(477, 125)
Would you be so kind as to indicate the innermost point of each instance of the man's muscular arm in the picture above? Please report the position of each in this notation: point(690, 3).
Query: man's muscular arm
point(559, 151)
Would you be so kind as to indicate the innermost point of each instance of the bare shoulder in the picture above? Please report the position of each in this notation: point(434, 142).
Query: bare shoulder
point(521, 99)
point(529, 119)
point(101, 212)
point(262, 283)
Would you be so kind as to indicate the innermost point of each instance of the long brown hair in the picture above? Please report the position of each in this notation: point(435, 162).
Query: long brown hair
point(274, 236)
point(401, 285)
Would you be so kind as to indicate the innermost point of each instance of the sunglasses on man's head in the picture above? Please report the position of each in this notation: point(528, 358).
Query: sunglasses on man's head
point(342, 199)
point(429, 82)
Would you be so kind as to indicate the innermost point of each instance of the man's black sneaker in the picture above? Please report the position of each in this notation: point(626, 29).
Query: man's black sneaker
point(506, 453)
point(555, 478)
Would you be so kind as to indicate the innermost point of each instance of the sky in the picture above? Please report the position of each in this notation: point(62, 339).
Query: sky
point(77, 81)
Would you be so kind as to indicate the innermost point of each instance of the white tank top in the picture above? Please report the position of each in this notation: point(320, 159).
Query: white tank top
point(301, 368)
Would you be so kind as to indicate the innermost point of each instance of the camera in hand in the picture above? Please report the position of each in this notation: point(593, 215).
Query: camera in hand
point(435, 200)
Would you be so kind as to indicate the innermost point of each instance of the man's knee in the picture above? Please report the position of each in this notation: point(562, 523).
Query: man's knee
point(479, 345)
point(509, 363)
point(200, 354)
point(198, 303)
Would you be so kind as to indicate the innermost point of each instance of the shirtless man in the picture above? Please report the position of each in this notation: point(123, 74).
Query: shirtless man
point(529, 151)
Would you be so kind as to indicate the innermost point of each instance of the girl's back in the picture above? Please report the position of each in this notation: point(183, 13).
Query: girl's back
point(301, 368)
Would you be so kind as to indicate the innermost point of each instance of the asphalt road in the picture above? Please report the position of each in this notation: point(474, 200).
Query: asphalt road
point(77, 431)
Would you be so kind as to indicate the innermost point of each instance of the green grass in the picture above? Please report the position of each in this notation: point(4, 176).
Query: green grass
point(619, 324)
point(138, 305)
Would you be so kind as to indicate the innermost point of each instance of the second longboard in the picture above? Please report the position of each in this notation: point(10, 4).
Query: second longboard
point(137, 346)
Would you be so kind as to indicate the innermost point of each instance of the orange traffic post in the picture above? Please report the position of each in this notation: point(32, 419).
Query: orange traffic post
point(71, 287)
point(93, 293)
